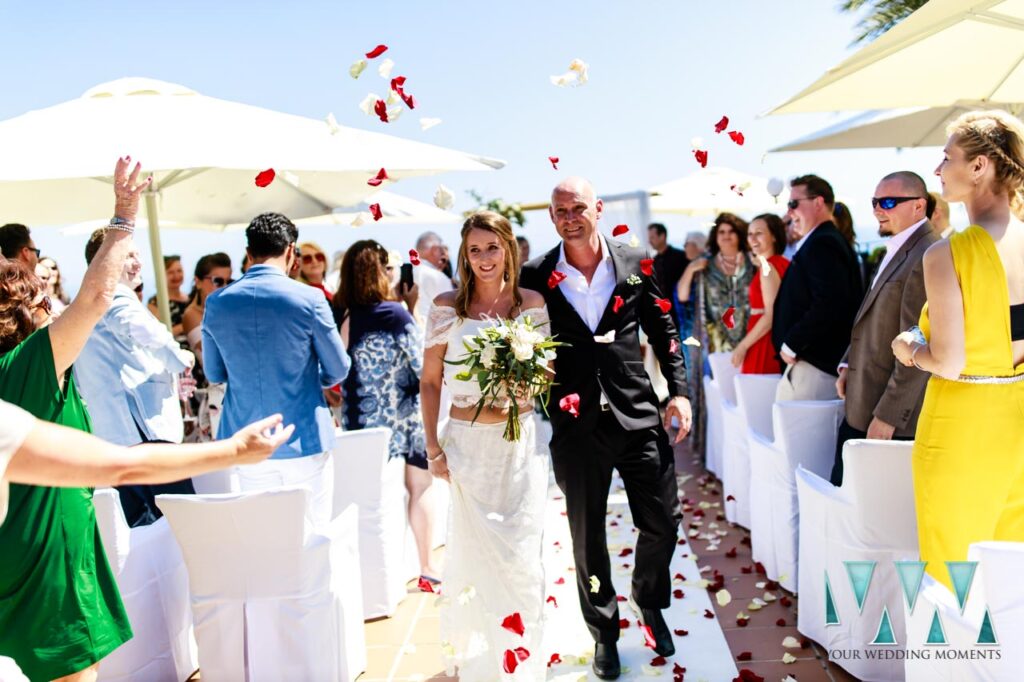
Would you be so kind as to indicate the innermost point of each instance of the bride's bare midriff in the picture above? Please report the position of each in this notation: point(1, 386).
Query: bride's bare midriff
point(488, 415)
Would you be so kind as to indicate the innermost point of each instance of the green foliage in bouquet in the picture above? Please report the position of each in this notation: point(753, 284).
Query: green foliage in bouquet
point(509, 360)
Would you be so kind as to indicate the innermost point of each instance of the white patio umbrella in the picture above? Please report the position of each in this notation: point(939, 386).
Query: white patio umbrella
point(945, 52)
point(710, 191)
point(204, 154)
point(900, 128)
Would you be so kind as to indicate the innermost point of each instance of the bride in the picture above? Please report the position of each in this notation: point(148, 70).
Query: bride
point(493, 577)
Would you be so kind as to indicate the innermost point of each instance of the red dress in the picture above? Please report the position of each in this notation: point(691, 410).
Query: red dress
point(761, 358)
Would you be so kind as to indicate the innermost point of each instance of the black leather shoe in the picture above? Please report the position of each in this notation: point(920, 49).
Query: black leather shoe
point(606, 661)
point(659, 629)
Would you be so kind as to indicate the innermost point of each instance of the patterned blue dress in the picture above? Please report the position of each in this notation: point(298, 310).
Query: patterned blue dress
point(383, 386)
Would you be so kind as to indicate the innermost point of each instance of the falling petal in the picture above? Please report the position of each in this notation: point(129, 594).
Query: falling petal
point(376, 212)
point(620, 230)
point(376, 180)
point(425, 586)
point(729, 319)
point(377, 51)
point(393, 98)
point(581, 69)
point(560, 581)
point(385, 68)
point(332, 124)
point(428, 123)
point(414, 256)
point(722, 124)
point(634, 242)
point(701, 156)
point(723, 597)
point(658, 661)
point(737, 137)
point(444, 198)
point(791, 642)
point(555, 278)
point(264, 178)
point(494, 516)
point(680, 633)
point(595, 582)
point(664, 304)
point(554, 660)
point(380, 107)
point(360, 219)
point(617, 304)
point(554, 162)
point(647, 266)
point(744, 656)
point(368, 103)
point(623, 623)
point(788, 658)
point(551, 600)
point(357, 68)
point(514, 624)
point(697, 142)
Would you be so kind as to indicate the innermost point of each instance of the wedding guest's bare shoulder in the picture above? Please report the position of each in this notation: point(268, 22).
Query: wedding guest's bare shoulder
point(445, 299)
point(532, 299)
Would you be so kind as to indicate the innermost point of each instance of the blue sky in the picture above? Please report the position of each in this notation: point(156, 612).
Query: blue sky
point(660, 73)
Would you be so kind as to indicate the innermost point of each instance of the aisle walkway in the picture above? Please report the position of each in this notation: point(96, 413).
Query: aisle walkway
point(407, 647)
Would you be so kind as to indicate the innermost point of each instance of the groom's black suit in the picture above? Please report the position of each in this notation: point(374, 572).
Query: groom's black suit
point(626, 434)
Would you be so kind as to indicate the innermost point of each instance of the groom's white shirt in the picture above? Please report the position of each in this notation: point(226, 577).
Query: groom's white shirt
point(589, 299)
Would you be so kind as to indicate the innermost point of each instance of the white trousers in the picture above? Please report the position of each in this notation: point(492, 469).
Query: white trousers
point(315, 472)
point(804, 381)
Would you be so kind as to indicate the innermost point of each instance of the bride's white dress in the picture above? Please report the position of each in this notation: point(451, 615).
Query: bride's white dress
point(493, 567)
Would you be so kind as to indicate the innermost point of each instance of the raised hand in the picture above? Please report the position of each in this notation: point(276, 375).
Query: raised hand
point(258, 440)
point(128, 189)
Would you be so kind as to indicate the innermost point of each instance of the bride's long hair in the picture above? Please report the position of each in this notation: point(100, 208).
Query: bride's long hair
point(500, 226)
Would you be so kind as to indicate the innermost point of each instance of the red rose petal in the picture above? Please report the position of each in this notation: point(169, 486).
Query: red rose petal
point(647, 266)
point(708, 613)
point(678, 669)
point(664, 304)
point(805, 643)
point(570, 404)
point(619, 598)
point(736, 188)
point(678, 594)
point(748, 675)
point(552, 600)
point(680, 633)
point(617, 304)
point(759, 567)
point(781, 622)
point(522, 653)
point(744, 656)
point(722, 124)
point(511, 662)
point(376, 212)
point(554, 162)
point(620, 229)
point(747, 569)
point(679, 576)
point(626, 551)
point(649, 640)
point(786, 601)
point(560, 581)
point(425, 585)
point(380, 107)
point(409, 100)
point(731, 554)
point(658, 661)
point(729, 318)
point(397, 83)
point(380, 177)
point(737, 137)
point(730, 498)
point(514, 624)
point(555, 278)
point(701, 156)
point(377, 51)
point(554, 660)
point(265, 178)
point(771, 585)
point(414, 257)
point(742, 622)
point(623, 623)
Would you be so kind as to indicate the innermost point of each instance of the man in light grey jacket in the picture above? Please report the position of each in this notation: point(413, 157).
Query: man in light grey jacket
point(128, 375)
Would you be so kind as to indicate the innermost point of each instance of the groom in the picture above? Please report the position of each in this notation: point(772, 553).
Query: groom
point(599, 295)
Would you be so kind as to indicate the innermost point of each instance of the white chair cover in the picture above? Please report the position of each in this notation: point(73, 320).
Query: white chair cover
point(730, 422)
point(153, 583)
point(754, 395)
point(999, 577)
point(871, 518)
point(714, 433)
point(272, 598)
point(364, 476)
point(805, 436)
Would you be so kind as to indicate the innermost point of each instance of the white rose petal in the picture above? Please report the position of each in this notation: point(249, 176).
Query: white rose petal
point(634, 242)
point(595, 584)
point(357, 68)
point(360, 218)
point(368, 103)
point(769, 597)
point(697, 143)
point(788, 658)
point(581, 68)
point(444, 198)
point(392, 98)
point(466, 595)
point(428, 123)
point(494, 516)
point(760, 585)
point(723, 597)
point(791, 643)
point(690, 341)
point(394, 113)
point(332, 124)
point(650, 670)
point(385, 68)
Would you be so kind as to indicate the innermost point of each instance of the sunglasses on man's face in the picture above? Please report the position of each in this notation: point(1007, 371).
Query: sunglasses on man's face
point(889, 203)
point(307, 258)
point(793, 203)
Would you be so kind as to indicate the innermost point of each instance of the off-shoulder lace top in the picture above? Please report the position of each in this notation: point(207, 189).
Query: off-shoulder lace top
point(445, 327)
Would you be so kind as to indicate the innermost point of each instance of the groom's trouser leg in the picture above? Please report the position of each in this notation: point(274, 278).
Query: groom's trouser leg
point(647, 468)
point(583, 471)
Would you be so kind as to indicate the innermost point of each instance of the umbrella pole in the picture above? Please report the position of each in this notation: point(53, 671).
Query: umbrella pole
point(156, 250)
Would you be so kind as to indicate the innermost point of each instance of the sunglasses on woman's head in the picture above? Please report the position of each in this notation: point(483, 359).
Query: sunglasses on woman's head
point(219, 281)
point(308, 258)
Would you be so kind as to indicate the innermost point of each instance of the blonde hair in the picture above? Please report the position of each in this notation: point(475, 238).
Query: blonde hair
point(998, 136)
point(500, 226)
point(312, 246)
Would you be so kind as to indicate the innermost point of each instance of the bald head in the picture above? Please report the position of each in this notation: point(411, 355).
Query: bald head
point(575, 210)
point(576, 186)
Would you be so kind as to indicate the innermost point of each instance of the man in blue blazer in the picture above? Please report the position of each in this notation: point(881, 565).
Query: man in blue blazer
point(273, 341)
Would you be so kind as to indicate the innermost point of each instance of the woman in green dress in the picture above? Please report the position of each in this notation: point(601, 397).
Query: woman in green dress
point(60, 611)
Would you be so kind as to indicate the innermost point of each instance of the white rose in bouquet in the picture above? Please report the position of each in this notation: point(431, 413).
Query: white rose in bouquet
point(488, 355)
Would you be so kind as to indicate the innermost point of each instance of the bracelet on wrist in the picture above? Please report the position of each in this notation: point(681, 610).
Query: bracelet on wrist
point(438, 456)
point(116, 220)
point(913, 357)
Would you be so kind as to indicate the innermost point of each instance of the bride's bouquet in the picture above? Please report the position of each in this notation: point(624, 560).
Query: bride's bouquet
point(510, 362)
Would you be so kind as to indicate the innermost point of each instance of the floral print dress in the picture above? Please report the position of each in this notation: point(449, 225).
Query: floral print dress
point(383, 386)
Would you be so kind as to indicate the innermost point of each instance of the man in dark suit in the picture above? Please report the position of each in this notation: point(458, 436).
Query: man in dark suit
point(818, 298)
point(883, 397)
point(599, 295)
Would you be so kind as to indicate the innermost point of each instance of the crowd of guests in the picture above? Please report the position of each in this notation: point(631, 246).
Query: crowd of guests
point(782, 294)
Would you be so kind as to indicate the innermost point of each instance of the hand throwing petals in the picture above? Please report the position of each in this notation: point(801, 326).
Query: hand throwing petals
point(266, 177)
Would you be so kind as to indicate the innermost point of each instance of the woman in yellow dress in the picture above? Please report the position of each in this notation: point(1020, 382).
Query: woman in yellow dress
point(968, 457)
